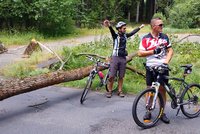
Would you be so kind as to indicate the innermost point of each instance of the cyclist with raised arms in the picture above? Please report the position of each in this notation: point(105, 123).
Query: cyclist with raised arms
point(157, 49)
point(118, 61)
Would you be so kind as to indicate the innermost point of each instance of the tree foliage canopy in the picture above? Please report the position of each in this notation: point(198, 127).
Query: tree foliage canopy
point(185, 14)
point(57, 17)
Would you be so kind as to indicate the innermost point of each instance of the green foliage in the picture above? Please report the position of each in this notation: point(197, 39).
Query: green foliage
point(38, 71)
point(52, 18)
point(185, 14)
point(186, 53)
point(160, 15)
point(75, 61)
point(55, 18)
point(91, 13)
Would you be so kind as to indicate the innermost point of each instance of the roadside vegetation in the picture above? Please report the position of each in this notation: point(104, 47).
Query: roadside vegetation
point(186, 53)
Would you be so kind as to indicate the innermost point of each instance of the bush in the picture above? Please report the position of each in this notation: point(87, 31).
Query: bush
point(55, 19)
point(185, 14)
point(160, 15)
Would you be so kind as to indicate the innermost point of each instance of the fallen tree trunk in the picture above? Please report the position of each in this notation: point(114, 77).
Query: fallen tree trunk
point(135, 71)
point(14, 87)
point(17, 86)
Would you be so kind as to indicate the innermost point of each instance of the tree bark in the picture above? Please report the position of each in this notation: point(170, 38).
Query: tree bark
point(13, 87)
point(141, 12)
point(149, 9)
point(138, 12)
point(9, 88)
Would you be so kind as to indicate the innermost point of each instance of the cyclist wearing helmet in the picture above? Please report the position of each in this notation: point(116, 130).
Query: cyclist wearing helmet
point(157, 49)
point(118, 62)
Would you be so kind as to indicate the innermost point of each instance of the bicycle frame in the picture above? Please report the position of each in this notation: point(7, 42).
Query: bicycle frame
point(175, 97)
point(95, 70)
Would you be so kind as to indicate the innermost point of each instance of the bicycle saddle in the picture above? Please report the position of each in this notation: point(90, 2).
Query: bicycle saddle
point(187, 66)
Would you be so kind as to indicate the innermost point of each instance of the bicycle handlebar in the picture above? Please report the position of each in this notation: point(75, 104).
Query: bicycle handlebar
point(98, 62)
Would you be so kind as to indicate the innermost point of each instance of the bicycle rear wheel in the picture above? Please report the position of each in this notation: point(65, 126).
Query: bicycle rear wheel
point(142, 104)
point(86, 89)
point(190, 101)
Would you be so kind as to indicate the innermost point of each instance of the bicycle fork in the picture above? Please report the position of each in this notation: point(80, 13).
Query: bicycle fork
point(151, 99)
point(155, 85)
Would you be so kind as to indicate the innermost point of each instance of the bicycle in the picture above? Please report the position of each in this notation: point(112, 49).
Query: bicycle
point(95, 71)
point(150, 100)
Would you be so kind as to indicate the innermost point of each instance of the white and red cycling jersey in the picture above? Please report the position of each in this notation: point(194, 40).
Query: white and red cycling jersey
point(150, 43)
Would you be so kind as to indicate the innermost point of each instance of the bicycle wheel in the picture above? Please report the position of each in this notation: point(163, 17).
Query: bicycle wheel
point(86, 89)
point(142, 104)
point(191, 101)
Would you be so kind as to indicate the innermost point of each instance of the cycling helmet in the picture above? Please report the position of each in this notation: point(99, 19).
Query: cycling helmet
point(120, 24)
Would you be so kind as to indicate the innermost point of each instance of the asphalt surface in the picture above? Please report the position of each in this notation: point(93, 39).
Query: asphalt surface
point(57, 110)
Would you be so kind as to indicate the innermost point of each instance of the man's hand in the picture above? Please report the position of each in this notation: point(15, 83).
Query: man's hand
point(157, 50)
point(106, 23)
point(141, 26)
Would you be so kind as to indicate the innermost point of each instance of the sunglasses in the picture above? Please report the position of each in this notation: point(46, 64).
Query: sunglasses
point(160, 25)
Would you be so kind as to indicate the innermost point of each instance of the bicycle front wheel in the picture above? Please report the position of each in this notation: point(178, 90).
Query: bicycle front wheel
point(86, 89)
point(190, 101)
point(142, 106)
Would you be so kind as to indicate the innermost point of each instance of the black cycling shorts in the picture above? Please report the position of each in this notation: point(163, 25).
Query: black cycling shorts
point(151, 77)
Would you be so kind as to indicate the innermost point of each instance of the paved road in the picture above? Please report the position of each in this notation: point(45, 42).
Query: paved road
point(61, 113)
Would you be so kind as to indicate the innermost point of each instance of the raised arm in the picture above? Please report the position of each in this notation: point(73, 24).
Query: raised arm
point(134, 31)
point(107, 24)
point(114, 35)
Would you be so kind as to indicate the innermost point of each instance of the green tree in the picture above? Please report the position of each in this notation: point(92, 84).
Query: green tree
point(185, 14)
point(55, 17)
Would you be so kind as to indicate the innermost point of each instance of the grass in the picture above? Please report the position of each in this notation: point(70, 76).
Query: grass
point(26, 67)
point(17, 38)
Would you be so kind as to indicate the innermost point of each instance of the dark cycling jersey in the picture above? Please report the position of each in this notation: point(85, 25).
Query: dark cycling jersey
point(119, 41)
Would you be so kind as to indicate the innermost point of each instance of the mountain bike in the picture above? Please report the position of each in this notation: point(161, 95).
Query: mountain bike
point(150, 100)
point(95, 71)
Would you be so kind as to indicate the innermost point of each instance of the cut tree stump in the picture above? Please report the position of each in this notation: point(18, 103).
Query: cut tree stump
point(2, 48)
point(33, 46)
